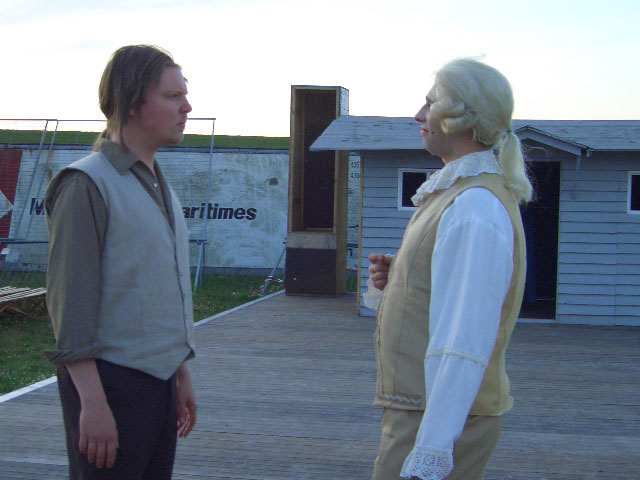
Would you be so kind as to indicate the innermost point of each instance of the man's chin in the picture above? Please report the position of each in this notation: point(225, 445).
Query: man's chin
point(175, 140)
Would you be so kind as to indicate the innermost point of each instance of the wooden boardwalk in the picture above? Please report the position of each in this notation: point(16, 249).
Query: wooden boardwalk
point(285, 386)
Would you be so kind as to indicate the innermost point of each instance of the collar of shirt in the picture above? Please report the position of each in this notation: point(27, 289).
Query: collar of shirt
point(121, 159)
point(469, 165)
point(157, 187)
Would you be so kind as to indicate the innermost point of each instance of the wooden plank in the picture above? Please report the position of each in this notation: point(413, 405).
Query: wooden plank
point(630, 300)
point(598, 259)
point(629, 259)
point(582, 227)
point(628, 310)
point(630, 245)
point(376, 202)
point(590, 238)
point(627, 290)
point(633, 226)
point(389, 211)
point(382, 243)
point(594, 206)
point(611, 174)
point(382, 192)
point(591, 185)
point(587, 299)
point(589, 268)
point(384, 182)
point(382, 232)
point(594, 310)
point(628, 279)
point(399, 222)
point(589, 248)
point(5, 291)
point(581, 279)
point(587, 289)
point(598, 217)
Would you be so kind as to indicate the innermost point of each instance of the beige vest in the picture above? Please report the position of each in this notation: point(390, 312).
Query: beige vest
point(402, 333)
point(145, 311)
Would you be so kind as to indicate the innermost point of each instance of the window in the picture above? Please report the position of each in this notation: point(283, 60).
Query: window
point(409, 180)
point(634, 192)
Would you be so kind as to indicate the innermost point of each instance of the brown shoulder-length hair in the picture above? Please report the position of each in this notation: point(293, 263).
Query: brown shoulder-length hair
point(129, 74)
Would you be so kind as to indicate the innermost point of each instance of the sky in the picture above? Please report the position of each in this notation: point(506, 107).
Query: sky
point(565, 59)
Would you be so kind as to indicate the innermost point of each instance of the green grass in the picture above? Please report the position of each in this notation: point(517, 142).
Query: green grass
point(22, 339)
point(33, 137)
point(219, 293)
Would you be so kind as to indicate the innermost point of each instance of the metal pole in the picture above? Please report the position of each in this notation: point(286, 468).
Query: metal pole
point(200, 266)
point(44, 172)
point(269, 279)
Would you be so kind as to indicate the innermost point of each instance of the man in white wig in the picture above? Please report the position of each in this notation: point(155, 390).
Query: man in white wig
point(452, 294)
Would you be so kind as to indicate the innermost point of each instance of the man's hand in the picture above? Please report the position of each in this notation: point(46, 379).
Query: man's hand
point(186, 401)
point(98, 434)
point(379, 269)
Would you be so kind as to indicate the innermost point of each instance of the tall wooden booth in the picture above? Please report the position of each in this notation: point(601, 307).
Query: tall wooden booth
point(317, 230)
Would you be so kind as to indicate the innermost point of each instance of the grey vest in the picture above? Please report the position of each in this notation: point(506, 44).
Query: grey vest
point(145, 311)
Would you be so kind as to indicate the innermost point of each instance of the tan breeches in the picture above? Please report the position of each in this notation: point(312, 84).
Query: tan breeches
point(471, 452)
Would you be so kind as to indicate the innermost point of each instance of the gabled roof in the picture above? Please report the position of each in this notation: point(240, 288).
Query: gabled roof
point(355, 133)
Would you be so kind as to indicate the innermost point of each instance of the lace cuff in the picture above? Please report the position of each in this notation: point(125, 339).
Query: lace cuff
point(373, 297)
point(427, 464)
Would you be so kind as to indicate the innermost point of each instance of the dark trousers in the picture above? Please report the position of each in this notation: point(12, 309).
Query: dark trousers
point(144, 408)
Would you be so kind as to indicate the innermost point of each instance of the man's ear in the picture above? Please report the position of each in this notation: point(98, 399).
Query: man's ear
point(132, 113)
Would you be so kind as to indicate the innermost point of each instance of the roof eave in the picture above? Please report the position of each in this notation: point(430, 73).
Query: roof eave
point(531, 133)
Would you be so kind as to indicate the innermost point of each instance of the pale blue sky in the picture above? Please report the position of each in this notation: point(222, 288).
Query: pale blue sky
point(566, 59)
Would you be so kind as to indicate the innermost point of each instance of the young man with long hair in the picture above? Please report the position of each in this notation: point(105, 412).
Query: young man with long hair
point(119, 293)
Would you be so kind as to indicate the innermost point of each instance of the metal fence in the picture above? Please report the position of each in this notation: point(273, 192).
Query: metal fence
point(32, 151)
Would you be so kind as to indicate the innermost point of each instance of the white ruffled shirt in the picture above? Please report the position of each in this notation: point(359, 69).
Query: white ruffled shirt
point(471, 271)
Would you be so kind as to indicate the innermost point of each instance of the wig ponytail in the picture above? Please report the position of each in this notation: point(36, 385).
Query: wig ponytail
point(513, 167)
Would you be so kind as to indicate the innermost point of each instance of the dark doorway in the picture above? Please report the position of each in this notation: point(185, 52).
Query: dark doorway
point(319, 167)
point(540, 218)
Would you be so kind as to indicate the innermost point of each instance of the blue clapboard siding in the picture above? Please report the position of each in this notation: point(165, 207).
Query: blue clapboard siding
point(598, 256)
point(382, 223)
point(599, 242)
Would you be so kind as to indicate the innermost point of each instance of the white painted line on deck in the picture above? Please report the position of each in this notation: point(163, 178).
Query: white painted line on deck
point(27, 389)
point(239, 307)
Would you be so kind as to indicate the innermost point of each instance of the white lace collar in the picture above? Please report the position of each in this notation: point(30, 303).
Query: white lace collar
point(466, 166)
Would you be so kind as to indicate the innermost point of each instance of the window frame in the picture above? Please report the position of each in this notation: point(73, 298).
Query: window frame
point(629, 192)
point(401, 171)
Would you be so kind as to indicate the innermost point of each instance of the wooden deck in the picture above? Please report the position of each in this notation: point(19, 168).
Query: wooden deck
point(285, 388)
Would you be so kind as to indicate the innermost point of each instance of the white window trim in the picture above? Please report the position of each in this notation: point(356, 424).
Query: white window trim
point(632, 212)
point(427, 171)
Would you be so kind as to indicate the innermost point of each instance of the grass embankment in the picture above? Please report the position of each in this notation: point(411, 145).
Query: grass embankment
point(23, 339)
point(33, 137)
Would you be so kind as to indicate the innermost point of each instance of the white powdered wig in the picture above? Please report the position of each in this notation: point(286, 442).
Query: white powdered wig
point(471, 94)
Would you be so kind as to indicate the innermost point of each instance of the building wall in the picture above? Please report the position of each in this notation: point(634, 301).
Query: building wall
point(245, 220)
point(383, 224)
point(599, 243)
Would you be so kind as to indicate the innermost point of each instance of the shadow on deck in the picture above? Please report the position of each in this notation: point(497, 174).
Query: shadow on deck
point(285, 387)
